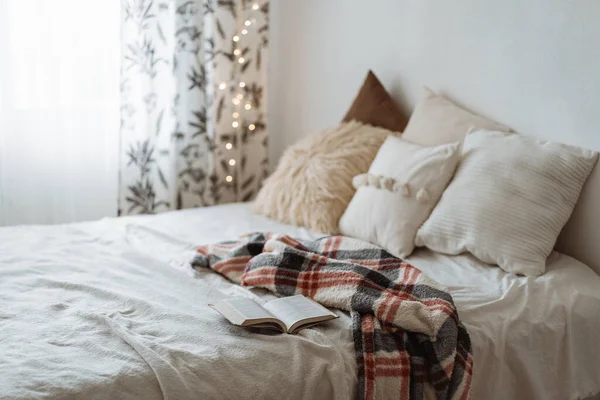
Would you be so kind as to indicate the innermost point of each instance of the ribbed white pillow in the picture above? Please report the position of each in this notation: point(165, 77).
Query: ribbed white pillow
point(403, 185)
point(508, 201)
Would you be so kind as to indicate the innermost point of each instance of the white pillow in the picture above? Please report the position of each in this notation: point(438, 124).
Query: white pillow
point(404, 183)
point(508, 201)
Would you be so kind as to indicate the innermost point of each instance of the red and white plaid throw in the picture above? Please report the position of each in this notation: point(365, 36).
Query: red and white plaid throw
point(409, 341)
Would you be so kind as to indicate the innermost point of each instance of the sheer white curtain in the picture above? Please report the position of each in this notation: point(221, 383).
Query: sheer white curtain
point(59, 110)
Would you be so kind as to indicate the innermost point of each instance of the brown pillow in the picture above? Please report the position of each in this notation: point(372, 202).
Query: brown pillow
point(373, 105)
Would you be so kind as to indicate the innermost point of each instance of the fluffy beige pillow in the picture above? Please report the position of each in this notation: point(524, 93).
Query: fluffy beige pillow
point(436, 120)
point(312, 184)
point(403, 185)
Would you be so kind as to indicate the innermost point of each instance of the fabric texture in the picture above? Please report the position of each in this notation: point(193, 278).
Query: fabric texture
point(141, 263)
point(409, 342)
point(437, 120)
point(404, 183)
point(508, 201)
point(312, 184)
point(193, 114)
point(373, 105)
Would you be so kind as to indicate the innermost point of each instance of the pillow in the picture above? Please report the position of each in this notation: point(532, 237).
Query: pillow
point(373, 105)
point(403, 185)
point(312, 184)
point(508, 201)
point(436, 120)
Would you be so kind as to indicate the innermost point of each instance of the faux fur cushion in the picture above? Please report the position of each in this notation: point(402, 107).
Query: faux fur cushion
point(312, 184)
point(373, 105)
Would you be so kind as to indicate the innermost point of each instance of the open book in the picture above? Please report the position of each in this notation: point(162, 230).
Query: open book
point(288, 314)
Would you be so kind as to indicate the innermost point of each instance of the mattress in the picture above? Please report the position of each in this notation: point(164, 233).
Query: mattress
point(111, 309)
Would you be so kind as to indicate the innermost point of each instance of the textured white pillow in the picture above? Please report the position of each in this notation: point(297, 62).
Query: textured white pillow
point(508, 201)
point(403, 185)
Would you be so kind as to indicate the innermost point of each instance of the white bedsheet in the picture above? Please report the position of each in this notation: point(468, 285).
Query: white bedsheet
point(110, 309)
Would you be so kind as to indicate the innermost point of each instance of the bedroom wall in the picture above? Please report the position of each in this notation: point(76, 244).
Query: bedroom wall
point(532, 65)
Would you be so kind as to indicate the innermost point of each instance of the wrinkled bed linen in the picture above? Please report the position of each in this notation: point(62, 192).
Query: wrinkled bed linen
point(110, 309)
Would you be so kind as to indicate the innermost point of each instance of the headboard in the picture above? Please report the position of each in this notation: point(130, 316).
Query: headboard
point(531, 65)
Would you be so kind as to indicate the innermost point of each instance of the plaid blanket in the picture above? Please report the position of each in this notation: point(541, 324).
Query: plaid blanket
point(409, 341)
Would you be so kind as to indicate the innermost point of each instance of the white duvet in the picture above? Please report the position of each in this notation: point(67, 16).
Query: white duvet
point(110, 309)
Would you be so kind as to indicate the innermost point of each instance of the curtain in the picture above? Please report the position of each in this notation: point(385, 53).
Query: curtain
point(193, 102)
point(59, 110)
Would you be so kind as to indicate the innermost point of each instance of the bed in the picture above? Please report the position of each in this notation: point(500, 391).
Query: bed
point(111, 309)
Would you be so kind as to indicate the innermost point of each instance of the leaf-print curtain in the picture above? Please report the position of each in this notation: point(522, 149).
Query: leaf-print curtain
point(192, 103)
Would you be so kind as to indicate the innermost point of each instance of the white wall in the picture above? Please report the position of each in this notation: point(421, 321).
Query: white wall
point(533, 65)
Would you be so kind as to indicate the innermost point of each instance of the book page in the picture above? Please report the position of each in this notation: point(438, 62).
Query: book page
point(294, 309)
point(241, 309)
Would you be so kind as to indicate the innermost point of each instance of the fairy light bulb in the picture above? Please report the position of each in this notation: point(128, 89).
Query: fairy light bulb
point(248, 22)
point(248, 106)
point(244, 31)
point(252, 127)
point(235, 124)
point(232, 162)
point(242, 84)
point(240, 96)
point(241, 60)
point(255, 6)
point(237, 52)
point(222, 85)
point(229, 178)
point(236, 101)
point(235, 114)
point(236, 38)
point(228, 146)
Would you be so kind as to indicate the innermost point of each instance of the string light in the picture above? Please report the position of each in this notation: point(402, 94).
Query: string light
point(252, 127)
point(247, 106)
point(237, 52)
point(244, 31)
point(232, 162)
point(235, 124)
point(229, 178)
point(242, 84)
point(255, 6)
point(236, 101)
point(228, 146)
point(240, 96)
point(235, 114)
point(222, 85)
point(248, 23)
point(241, 60)
point(236, 38)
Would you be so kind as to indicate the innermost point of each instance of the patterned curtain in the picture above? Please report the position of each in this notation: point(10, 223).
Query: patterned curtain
point(192, 103)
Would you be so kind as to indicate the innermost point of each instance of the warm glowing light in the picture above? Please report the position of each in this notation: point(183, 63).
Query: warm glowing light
point(229, 178)
point(237, 52)
point(235, 114)
point(232, 162)
point(244, 31)
point(236, 38)
point(242, 84)
point(236, 101)
point(241, 60)
point(235, 124)
point(248, 106)
point(228, 146)
point(222, 85)
point(248, 22)
point(252, 127)
point(255, 6)
point(240, 96)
